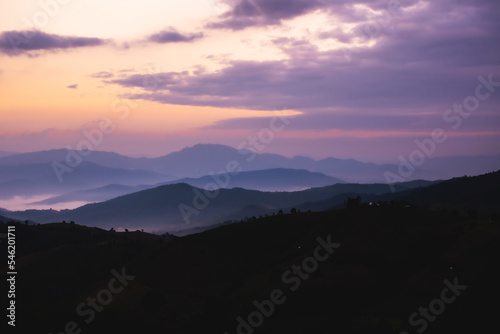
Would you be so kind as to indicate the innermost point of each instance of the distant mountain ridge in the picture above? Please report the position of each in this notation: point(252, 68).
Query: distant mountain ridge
point(275, 179)
point(40, 178)
point(106, 159)
point(33, 174)
point(6, 154)
point(279, 179)
point(203, 159)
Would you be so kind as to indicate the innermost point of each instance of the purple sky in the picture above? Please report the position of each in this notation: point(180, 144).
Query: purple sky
point(366, 78)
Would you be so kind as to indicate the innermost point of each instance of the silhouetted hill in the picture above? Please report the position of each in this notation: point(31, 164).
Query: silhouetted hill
point(479, 193)
point(4, 219)
point(265, 180)
point(159, 208)
point(388, 262)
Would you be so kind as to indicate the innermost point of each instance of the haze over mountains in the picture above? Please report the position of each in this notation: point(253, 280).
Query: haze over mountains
point(6, 154)
point(40, 178)
point(158, 208)
point(278, 179)
point(33, 173)
point(55, 177)
point(178, 207)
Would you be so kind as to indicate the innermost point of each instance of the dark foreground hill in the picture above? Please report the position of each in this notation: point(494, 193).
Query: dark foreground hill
point(478, 194)
point(360, 270)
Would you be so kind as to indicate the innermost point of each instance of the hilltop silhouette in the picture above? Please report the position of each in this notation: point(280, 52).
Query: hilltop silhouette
point(392, 260)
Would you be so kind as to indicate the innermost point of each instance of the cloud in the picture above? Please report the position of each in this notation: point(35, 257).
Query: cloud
point(172, 36)
point(15, 43)
point(317, 82)
point(102, 75)
point(337, 34)
point(246, 13)
point(150, 81)
point(429, 58)
point(349, 120)
point(75, 86)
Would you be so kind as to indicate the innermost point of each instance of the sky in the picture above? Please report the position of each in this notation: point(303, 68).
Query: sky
point(343, 78)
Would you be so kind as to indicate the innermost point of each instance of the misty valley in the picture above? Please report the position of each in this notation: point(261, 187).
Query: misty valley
point(267, 250)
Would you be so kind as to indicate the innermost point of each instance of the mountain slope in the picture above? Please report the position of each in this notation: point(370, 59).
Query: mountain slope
point(99, 194)
point(479, 193)
point(166, 207)
point(6, 154)
point(387, 263)
point(266, 180)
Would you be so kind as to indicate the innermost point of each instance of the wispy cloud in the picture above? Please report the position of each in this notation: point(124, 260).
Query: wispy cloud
point(102, 75)
point(15, 43)
point(171, 35)
point(157, 81)
point(75, 86)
